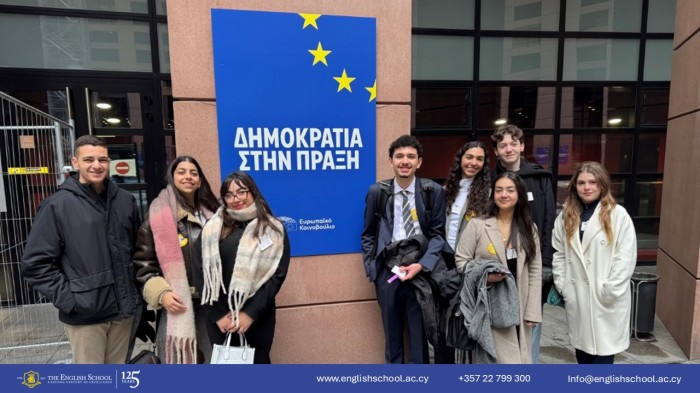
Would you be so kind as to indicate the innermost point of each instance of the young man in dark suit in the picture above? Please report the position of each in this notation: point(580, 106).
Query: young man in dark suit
point(404, 215)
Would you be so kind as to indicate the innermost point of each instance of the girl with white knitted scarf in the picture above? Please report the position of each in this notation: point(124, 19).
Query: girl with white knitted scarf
point(245, 257)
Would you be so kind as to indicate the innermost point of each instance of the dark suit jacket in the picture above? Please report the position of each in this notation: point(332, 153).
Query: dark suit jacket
point(432, 225)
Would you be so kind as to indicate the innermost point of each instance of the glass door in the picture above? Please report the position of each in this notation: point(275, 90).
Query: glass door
point(124, 116)
point(125, 113)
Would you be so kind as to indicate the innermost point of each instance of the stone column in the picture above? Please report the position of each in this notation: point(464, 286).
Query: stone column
point(678, 298)
point(322, 317)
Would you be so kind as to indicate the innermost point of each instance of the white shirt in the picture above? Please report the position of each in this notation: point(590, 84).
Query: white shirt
point(455, 216)
point(399, 231)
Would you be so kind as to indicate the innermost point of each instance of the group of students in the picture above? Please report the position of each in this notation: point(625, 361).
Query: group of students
point(508, 250)
point(212, 266)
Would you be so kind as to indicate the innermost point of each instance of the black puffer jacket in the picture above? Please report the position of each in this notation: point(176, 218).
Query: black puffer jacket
point(433, 288)
point(78, 253)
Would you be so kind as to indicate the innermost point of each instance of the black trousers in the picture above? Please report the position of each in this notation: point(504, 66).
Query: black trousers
point(442, 353)
point(259, 336)
point(399, 307)
point(587, 358)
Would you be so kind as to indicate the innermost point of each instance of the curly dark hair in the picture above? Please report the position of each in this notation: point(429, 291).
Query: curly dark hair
point(478, 197)
point(406, 141)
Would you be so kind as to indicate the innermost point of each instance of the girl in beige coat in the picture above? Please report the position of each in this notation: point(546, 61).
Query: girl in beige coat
point(507, 234)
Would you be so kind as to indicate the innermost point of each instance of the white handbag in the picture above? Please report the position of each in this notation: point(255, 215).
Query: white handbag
point(226, 354)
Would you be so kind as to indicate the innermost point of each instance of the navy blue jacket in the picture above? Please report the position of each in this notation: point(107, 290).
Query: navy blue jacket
point(79, 253)
point(432, 225)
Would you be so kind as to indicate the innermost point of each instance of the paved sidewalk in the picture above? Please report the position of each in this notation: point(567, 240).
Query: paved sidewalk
point(555, 347)
point(33, 335)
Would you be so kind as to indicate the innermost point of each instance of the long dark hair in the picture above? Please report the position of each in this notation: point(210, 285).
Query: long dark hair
point(264, 213)
point(203, 197)
point(478, 197)
point(522, 229)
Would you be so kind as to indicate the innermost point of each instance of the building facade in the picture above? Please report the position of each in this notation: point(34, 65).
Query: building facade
point(585, 79)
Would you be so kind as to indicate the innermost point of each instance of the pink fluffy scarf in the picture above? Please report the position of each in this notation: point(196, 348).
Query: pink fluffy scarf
point(181, 337)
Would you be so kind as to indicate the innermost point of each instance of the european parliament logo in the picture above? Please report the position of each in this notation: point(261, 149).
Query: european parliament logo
point(296, 108)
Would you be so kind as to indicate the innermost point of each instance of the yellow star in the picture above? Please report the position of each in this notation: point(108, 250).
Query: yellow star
point(372, 91)
point(319, 54)
point(344, 81)
point(310, 19)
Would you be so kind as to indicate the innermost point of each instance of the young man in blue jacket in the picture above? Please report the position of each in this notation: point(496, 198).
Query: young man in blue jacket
point(404, 214)
point(79, 255)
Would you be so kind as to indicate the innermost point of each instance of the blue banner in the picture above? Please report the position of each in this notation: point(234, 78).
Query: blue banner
point(296, 108)
point(351, 378)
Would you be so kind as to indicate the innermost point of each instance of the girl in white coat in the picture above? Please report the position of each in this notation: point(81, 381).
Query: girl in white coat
point(595, 255)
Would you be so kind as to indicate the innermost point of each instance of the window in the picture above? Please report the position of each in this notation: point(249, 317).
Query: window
point(657, 60)
point(524, 106)
point(649, 198)
point(589, 107)
point(116, 110)
point(135, 6)
point(601, 59)
point(662, 16)
point(163, 48)
point(441, 108)
point(442, 58)
point(529, 16)
point(655, 107)
point(653, 148)
point(613, 151)
point(518, 59)
point(605, 15)
point(443, 14)
point(584, 107)
point(69, 43)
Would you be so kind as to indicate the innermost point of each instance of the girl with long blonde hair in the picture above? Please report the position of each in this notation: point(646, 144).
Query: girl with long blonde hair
point(595, 255)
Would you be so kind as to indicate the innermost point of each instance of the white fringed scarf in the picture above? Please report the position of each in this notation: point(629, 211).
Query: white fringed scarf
point(253, 266)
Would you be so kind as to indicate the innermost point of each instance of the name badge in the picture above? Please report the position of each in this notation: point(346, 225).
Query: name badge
point(511, 254)
point(265, 242)
point(584, 224)
point(530, 197)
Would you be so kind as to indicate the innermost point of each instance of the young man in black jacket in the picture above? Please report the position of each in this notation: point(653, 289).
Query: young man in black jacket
point(79, 255)
point(404, 214)
point(509, 144)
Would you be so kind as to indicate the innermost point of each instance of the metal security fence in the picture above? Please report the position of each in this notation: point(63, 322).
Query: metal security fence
point(35, 152)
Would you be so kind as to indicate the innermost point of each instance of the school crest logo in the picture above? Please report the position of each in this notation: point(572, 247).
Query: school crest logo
point(31, 379)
